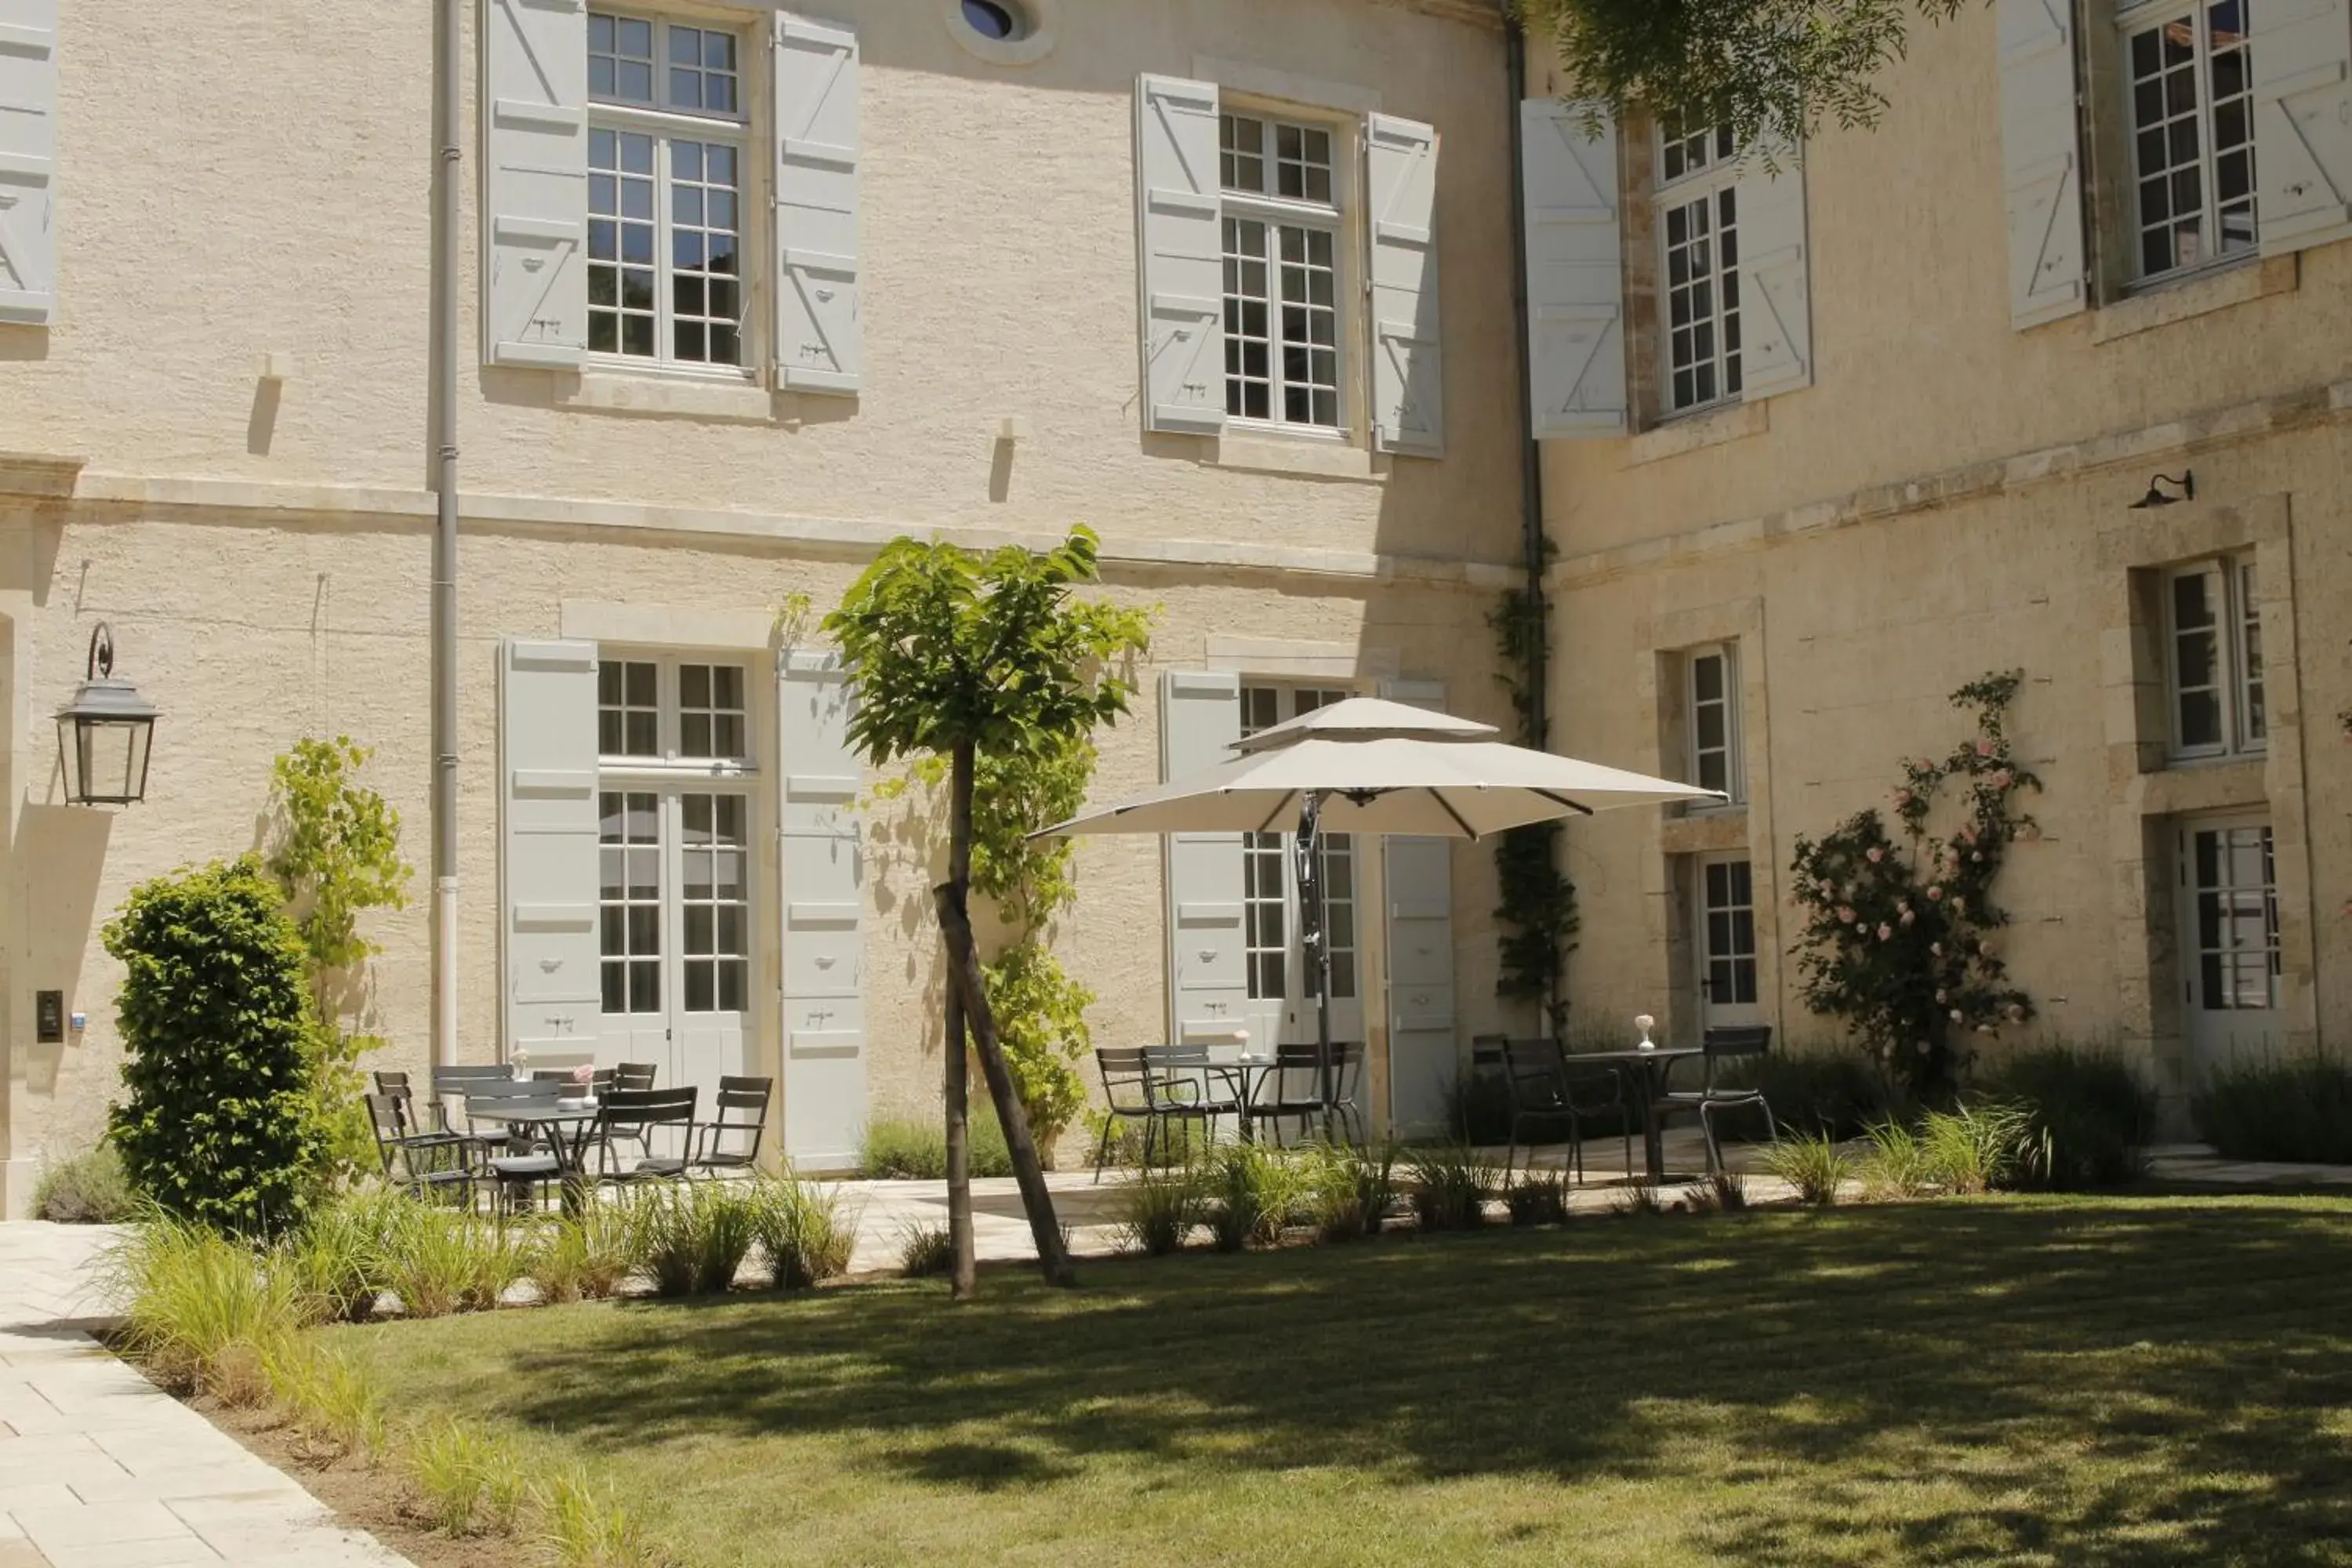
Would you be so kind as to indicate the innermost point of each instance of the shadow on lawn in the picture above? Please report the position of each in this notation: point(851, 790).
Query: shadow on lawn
point(2103, 1383)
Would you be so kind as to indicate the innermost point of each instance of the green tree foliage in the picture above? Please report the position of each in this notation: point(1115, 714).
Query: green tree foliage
point(1774, 70)
point(220, 1125)
point(991, 665)
point(1041, 1018)
point(336, 857)
point(1902, 935)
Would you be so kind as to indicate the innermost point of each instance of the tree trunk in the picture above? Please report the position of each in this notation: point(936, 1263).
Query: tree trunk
point(965, 985)
point(954, 1074)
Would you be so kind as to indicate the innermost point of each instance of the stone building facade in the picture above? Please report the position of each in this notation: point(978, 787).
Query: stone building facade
point(946, 299)
point(1971, 337)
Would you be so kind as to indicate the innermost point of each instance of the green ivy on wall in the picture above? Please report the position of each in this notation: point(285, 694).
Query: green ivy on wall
point(1537, 909)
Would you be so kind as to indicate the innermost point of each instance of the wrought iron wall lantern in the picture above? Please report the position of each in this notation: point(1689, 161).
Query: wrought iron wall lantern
point(104, 734)
point(2186, 484)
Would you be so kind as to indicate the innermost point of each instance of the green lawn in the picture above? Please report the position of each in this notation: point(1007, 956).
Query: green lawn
point(2062, 1380)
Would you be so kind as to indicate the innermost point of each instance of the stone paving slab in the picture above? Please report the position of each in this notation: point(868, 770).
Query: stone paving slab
point(100, 1468)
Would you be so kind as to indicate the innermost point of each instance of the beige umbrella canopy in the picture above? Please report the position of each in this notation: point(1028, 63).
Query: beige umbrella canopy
point(1380, 767)
point(1364, 765)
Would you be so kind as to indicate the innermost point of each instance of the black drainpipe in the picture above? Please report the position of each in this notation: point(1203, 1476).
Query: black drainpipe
point(1530, 459)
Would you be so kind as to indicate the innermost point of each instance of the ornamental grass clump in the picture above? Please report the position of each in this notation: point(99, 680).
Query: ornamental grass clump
point(1984, 1147)
point(202, 1311)
point(1813, 1163)
point(1450, 1188)
point(925, 1250)
point(332, 1401)
point(1896, 1163)
point(1348, 1191)
point(1159, 1209)
point(439, 1261)
point(587, 1527)
point(806, 1230)
point(1539, 1197)
point(1248, 1194)
point(463, 1480)
point(697, 1235)
point(587, 1256)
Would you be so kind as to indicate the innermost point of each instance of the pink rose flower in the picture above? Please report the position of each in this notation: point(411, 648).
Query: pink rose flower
point(1902, 797)
point(1845, 912)
point(583, 1073)
point(1908, 917)
point(1937, 948)
point(1876, 855)
point(1936, 893)
point(1984, 748)
point(2001, 778)
point(1956, 1014)
point(1886, 932)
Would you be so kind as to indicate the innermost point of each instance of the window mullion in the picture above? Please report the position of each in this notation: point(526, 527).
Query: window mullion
point(665, 335)
point(2208, 167)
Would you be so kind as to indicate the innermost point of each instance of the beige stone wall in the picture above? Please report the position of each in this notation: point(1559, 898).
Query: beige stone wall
point(1949, 497)
point(199, 230)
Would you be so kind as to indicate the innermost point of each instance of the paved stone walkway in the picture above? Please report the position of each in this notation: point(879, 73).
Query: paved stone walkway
point(100, 1468)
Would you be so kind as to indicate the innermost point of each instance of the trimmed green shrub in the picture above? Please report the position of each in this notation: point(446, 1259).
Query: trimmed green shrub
point(86, 1189)
point(2090, 1110)
point(220, 1124)
point(2298, 1112)
point(915, 1149)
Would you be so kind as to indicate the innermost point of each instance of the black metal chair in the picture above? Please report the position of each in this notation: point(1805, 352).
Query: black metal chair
point(1127, 1097)
point(415, 1162)
point(637, 1114)
point(1717, 1046)
point(740, 1108)
point(1348, 1086)
point(1190, 1088)
point(1542, 1090)
point(451, 1083)
point(635, 1075)
point(1289, 1091)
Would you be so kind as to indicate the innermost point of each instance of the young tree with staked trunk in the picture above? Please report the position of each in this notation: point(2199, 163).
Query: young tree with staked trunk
point(963, 656)
point(1773, 71)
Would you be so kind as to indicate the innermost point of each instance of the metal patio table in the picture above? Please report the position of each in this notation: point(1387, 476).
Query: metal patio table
point(1652, 1066)
point(567, 1129)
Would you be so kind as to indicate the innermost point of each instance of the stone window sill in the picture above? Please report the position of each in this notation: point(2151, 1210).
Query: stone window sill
point(2169, 302)
point(1698, 432)
point(1704, 831)
point(1300, 458)
point(662, 396)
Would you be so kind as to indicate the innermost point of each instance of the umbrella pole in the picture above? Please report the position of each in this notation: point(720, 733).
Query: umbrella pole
point(1313, 937)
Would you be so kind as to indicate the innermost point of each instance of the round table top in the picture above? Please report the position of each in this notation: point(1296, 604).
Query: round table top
point(1636, 1054)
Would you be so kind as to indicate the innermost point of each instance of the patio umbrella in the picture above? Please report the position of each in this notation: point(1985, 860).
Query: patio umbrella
point(1364, 765)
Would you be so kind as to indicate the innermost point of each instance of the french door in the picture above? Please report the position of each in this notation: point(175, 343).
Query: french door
point(1724, 922)
point(1282, 1002)
point(2229, 940)
point(674, 930)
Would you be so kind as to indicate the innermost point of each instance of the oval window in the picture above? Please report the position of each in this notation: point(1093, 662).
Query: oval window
point(994, 21)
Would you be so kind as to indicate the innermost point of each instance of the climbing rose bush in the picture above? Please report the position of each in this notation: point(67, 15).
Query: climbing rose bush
point(1902, 938)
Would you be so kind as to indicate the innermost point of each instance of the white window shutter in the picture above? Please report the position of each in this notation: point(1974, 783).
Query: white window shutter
point(1208, 991)
point(2040, 161)
point(824, 909)
point(2303, 121)
point(1408, 367)
point(820, 340)
point(535, 114)
point(1179, 249)
point(1576, 271)
point(1776, 311)
point(1425, 1044)
point(547, 706)
point(28, 160)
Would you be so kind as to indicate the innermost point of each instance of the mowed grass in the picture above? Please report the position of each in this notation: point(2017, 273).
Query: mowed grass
point(2064, 1381)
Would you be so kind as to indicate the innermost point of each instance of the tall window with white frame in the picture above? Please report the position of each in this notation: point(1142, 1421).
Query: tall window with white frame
point(667, 128)
point(1282, 228)
point(2213, 673)
point(1697, 212)
point(675, 740)
point(2192, 132)
point(1712, 697)
point(1269, 893)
